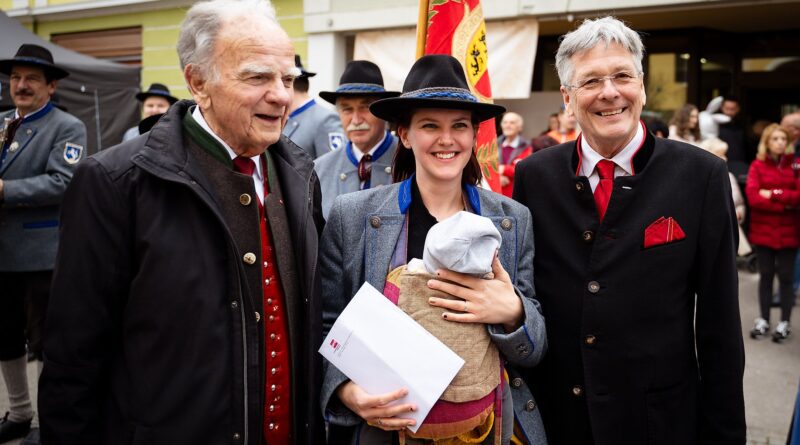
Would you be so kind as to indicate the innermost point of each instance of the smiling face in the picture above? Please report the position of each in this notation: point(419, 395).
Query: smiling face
point(363, 128)
point(608, 114)
point(30, 89)
point(442, 141)
point(248, 103)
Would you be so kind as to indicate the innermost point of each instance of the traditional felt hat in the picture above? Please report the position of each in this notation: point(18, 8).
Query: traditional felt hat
point(435, 81)
point(34, 55)
point(360, 78)
point(299, 64)
point(157, 90)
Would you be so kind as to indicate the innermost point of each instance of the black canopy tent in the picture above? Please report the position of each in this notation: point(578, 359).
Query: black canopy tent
point(98, 92)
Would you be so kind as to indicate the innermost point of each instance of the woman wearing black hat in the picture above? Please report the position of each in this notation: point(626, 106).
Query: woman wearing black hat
point(370, 233)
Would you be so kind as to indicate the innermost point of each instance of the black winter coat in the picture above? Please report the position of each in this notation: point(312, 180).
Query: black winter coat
point(644, 343)
point(152, 332)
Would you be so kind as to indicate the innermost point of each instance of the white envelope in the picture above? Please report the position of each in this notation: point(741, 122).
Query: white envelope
point(381, 349)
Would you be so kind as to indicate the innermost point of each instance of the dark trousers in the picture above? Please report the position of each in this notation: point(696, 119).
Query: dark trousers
point(23, 307)
point(769, 262)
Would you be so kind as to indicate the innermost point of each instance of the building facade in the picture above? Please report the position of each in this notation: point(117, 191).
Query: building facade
point(696, 49)
point(137, 32)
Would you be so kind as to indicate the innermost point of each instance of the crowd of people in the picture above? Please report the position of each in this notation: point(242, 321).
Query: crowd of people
point(176, 288)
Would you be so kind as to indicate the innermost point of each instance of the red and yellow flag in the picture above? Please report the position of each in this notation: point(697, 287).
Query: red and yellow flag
point(457, 28)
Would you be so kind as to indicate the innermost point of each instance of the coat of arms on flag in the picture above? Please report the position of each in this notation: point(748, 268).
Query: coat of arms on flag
point(457, 28)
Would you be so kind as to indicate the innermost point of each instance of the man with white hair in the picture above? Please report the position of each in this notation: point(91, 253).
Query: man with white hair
point(185, 304)
point(512, 148)
point(635, 265)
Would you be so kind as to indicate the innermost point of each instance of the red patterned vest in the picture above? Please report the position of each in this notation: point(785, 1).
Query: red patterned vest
point(277, 399)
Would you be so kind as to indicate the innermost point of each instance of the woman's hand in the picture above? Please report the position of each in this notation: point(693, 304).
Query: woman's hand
point(766, 194)
point(484, 301)
point(375, 409)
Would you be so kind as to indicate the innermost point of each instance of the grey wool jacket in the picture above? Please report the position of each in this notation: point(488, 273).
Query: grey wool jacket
point(37, 168)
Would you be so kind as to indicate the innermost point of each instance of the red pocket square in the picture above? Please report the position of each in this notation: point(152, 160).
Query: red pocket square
point(662, 231)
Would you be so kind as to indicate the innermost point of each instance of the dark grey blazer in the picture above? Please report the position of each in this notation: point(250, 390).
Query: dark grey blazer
point(314, 129)
point(36, 171)
point(357, 244)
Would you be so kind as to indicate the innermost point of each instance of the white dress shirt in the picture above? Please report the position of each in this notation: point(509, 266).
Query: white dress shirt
point(623, 159)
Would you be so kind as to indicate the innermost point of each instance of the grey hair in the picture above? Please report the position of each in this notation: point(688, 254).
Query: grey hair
point(606, 30)
point(201, 27)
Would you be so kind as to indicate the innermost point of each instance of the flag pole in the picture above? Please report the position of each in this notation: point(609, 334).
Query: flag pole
point(422, 27)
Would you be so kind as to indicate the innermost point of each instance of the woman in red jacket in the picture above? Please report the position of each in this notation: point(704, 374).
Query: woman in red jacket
point(773, 193)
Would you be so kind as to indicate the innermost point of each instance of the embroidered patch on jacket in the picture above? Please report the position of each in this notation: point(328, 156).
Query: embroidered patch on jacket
point(72, 153)
point(335, 140)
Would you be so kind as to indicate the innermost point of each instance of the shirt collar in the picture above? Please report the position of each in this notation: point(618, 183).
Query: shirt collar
point(405, 195)
point(512, 142)
point(198, 117)
point(623, 159)
point(358, 154)
point(31, 116)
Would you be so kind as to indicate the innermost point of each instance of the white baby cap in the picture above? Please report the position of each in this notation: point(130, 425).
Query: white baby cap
point(464, 242)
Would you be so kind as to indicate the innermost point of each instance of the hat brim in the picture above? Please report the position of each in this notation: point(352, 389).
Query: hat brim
point(144, 95)
point(56, 73)
point(331, 96)
point(392, 109)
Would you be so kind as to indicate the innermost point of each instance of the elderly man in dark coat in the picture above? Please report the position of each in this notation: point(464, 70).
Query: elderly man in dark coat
point(635, 266)
point(185, 303)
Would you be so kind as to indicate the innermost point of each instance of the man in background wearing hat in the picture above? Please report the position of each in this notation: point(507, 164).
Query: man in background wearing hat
point(313, 128)
point(366, 160)
point(40, 147)
point(156, 100)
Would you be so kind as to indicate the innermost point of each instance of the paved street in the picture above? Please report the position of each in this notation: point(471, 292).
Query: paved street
point(771, 375)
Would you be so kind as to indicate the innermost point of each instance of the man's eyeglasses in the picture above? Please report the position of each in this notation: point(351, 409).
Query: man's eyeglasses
point(621, 79)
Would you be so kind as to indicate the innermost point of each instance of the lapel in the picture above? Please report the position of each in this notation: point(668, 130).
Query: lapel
point(278, 225)
point(22, 138)
point(381, 231)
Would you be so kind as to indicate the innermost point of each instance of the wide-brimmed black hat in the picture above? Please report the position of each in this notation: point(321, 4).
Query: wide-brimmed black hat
point(157, 90)
point(299, 64)
point(34, 55)
point(435, 81)
point(360, 78)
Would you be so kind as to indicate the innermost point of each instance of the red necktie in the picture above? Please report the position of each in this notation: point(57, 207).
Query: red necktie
point(602, 193)
point(244, 165)
point(365, 169)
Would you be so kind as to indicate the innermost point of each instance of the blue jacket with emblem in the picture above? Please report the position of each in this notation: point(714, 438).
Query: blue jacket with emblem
point(36, 169)
point(357, 245)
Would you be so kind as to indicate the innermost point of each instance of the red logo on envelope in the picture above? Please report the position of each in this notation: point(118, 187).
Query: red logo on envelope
point(663, 231)
point(334, 344)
